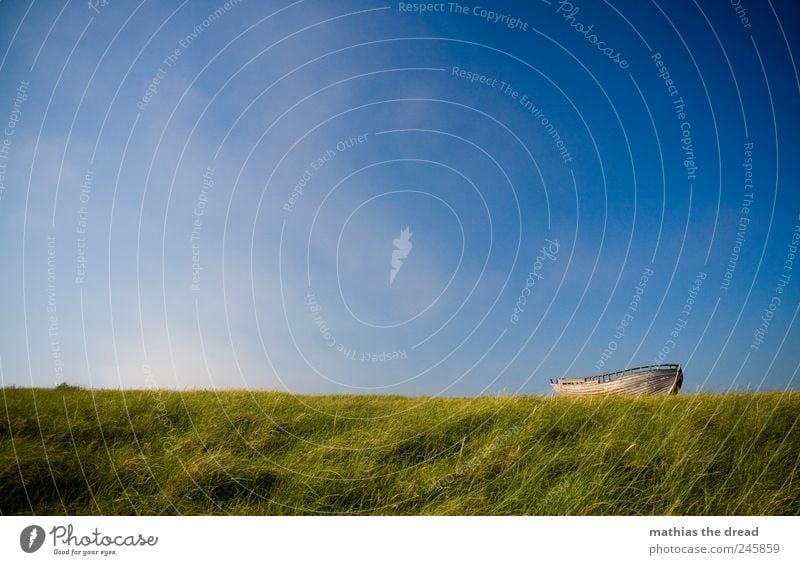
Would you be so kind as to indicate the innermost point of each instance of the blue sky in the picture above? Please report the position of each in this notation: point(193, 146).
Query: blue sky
point(206, 195)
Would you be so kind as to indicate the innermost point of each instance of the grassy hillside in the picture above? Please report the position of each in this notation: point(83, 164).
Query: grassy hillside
point(159, 452)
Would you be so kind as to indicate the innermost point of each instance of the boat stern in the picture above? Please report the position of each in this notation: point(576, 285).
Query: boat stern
point(678, 382)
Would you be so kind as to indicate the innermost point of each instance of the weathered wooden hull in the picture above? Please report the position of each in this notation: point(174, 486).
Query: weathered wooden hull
point(655, 379)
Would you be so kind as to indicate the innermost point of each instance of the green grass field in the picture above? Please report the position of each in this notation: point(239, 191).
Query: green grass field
point(237, 452)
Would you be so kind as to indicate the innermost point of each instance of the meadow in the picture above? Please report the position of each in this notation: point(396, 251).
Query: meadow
point(76, 451)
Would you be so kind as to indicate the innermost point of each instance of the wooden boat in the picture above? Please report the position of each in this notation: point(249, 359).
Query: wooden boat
point(651, 379)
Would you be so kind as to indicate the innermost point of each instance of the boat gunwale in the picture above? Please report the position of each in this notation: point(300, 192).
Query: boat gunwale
point(614, 375)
